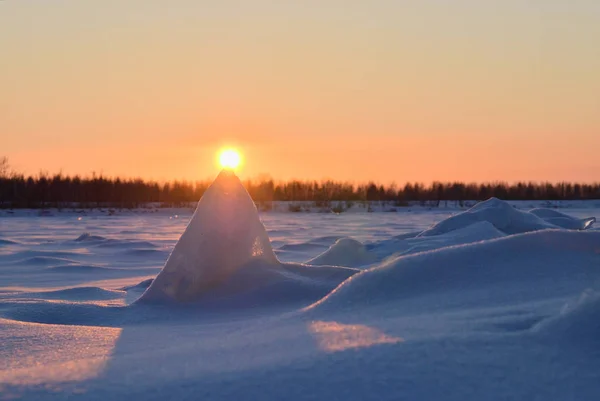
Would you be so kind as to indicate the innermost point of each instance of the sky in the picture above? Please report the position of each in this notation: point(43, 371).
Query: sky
point(352, 90)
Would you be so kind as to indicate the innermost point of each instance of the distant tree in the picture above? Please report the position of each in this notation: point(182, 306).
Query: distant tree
point(4, 167)
point(372, 192)
point(97, 190)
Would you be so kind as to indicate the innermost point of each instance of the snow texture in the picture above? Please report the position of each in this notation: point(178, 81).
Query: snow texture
point(493, 303)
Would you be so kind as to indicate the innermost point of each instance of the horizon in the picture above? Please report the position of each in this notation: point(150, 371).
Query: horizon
point(265, 177)
point(424, 92)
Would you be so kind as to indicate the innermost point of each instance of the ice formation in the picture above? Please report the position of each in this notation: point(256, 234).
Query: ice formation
point(225, 257)
point(224, 234)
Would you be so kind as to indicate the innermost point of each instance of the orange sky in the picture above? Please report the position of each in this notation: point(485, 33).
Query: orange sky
point(354, 90)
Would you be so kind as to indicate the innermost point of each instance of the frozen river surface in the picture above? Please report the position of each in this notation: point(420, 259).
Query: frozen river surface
point(485, 305)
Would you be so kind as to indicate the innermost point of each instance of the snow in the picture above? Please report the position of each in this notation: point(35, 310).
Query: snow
point(562, 220)
point(491, 303)
point(345, 252)
point(578, 321)
point(482, 273)
point(500, 214)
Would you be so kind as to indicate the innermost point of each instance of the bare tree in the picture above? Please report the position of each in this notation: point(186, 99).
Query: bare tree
point(4, 167)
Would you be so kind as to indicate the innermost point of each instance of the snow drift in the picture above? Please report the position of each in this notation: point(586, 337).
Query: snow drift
point(487, 220)
point(476, 232)
point(563, 220)
point(345, 252)
point(508, 219)
point(352, 253)
point(579, 320)
point(499, 213)
point(497, 271)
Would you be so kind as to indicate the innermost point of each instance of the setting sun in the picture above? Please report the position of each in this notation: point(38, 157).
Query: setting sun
point(229, 158)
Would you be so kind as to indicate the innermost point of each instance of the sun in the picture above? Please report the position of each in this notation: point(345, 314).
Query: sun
point(230, 159)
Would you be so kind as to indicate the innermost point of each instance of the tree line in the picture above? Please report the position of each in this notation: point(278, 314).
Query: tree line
point(63, 191)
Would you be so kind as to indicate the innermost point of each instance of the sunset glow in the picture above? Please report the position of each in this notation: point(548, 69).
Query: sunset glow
point(377, 90)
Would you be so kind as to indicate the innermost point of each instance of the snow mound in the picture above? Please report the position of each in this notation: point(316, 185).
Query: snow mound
point(79, 268)
point(104, 242)
point(404, 245)
point(141, 285)
point(563, 220)
point(144, 252)
point(305, 246)
point(255, 287)
point(38, 257)
point(8, 242)
point(345, 252)
point(495, 211)
point(506, 270)
point(74, 294)
point(44, 261)
point(87, 237)
point(263, 285)
point(224, 234)
point(476, 232)
point(580, 320)
point(125, 244)
point(480, 231)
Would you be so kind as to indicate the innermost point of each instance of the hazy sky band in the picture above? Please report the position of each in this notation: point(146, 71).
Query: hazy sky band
point(385, 90)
